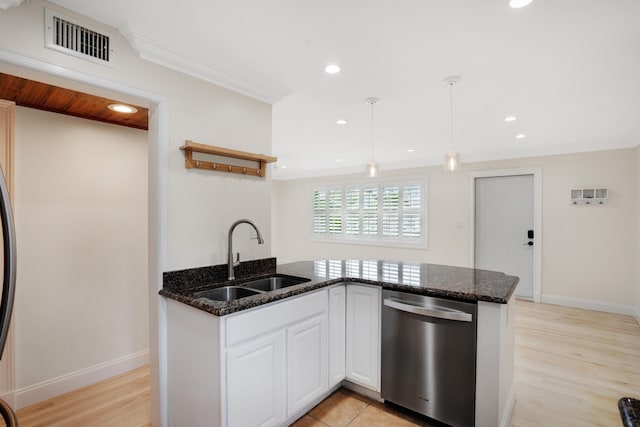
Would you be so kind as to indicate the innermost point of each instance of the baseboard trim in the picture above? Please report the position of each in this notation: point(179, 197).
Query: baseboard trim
point(508, 409)
point(65, 383)
point(636, 314)
point(589, 304)
point(364, 391)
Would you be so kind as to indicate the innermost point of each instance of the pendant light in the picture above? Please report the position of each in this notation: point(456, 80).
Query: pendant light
point(373, 169)
point(452, 158)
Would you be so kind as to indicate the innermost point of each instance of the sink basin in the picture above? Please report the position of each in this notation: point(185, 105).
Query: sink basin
point(274, 282)
point(227, 293)
point(250, 288)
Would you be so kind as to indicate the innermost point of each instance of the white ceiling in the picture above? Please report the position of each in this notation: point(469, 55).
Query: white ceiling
point(568, 69)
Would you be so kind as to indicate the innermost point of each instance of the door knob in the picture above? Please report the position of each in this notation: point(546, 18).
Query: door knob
point(528, 244)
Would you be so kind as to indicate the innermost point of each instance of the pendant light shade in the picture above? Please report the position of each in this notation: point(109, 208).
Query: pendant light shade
point(373, 170)
point(452, 158)
point(452, 161)
point(372, 167)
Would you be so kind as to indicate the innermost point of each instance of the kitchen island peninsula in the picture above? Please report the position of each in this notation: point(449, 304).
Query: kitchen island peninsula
point(266, 347)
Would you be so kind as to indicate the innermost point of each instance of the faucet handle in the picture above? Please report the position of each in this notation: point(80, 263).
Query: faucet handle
point(237, 261)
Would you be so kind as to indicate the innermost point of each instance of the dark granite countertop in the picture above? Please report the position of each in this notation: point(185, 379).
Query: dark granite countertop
point(459, 283)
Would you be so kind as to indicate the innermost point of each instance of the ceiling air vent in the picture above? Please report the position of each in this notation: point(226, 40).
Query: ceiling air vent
point(78, 39)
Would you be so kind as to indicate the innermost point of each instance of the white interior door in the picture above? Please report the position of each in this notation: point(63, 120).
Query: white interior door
point(503, 221)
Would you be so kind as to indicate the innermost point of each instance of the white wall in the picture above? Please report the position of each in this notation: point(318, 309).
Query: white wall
point(292, 215)
point(200, 205)
point(81, 226)
point(587, 253)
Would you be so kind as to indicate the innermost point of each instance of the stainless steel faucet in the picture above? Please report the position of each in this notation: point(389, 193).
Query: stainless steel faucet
point(233, 264)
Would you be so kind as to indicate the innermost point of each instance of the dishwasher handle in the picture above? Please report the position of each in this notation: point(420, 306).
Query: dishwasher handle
point(436, 312)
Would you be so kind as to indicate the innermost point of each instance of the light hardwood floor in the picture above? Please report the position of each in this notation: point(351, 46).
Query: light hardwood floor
point(572, 366)
point(119, 401)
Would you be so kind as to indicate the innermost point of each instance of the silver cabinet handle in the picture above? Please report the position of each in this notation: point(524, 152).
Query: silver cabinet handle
point(437, 312)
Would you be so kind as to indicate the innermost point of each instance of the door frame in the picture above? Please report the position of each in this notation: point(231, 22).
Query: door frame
point(158, 185)
point(537, 217)
point(7, 144)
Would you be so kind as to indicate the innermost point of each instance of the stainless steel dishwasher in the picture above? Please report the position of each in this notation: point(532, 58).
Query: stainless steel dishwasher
point(429, 356)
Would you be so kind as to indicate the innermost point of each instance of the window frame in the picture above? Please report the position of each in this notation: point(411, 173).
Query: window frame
point(378, 239)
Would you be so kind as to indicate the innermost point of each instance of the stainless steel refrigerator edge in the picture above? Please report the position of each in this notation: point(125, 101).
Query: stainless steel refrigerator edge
point(9, 282)
point(429, 356)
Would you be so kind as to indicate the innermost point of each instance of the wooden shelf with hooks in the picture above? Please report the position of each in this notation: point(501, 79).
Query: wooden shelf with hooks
point(191, 147)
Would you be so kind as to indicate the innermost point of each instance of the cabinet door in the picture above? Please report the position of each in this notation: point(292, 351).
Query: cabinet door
point(256, 382)
point(363, 336)
point(307, 362)
point(337, 325)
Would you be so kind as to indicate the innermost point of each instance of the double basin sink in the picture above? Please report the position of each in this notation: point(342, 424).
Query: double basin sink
point(250, 288)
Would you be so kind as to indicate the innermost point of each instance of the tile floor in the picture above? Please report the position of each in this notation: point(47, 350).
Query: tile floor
point(346, 408)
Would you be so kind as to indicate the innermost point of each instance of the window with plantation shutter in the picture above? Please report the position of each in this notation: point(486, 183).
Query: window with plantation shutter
point(352, 206)
point(319, 212)
point(382, 213)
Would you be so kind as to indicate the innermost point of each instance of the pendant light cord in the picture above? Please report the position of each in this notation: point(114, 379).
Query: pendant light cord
point(451, 111)
point(372, 156)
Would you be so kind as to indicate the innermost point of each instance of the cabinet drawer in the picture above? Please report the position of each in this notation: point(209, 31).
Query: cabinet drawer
point(244, 326)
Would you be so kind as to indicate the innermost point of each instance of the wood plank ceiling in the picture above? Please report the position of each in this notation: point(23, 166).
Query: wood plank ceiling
point(41, 96)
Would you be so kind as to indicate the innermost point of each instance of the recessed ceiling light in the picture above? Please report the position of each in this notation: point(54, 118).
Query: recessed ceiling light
point(121, 108)
point(519, 3)
point(338, 159)
point(509, 118)
point(410, 150)
point(283, 167)
point(521, 136)
point(332, 69)
point(341, 122)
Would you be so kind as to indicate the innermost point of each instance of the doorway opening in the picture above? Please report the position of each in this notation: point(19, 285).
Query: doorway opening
point(158, 147)
point(81, 311)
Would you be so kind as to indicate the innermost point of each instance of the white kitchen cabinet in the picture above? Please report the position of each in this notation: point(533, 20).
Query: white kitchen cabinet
point(256, 382)
point(307, 362)
point(194, 371)
point(363, 336)
point(277, 359)
point(337, 340)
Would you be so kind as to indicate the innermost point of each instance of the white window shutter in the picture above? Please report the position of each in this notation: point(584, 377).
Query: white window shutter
point(388, 212)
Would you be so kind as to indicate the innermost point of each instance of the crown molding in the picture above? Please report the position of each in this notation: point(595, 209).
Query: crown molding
point(183, 58)
point(6, 4)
